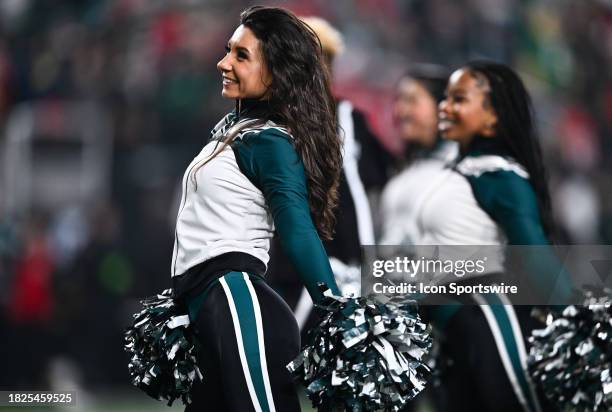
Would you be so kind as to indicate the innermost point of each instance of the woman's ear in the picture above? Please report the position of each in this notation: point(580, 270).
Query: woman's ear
point(490, 124)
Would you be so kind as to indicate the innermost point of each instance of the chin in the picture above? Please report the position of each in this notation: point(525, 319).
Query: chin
point(228, 95)
point(410, 138)
point(448, 136)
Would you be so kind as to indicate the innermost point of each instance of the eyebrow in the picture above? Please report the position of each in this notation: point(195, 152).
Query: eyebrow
point(239, 48)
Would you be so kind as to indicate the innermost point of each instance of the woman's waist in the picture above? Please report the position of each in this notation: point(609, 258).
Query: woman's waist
point(189, 252)
point(197, 278)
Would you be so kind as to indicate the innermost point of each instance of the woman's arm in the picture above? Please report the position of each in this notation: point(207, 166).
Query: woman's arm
point(270, 161)
point(510, 200)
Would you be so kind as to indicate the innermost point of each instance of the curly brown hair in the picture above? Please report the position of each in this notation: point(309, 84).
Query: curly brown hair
point(300, 99)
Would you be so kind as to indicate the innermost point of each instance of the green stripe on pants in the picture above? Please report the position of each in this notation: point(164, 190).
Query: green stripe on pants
point(245, 310)
point(511, 345)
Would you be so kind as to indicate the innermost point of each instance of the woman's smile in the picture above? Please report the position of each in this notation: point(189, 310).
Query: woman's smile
point(244, 73)
point(227, 81)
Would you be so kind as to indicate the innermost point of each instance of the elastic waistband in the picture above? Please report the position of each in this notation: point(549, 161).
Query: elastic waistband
point(196, 279)
point(195, 302)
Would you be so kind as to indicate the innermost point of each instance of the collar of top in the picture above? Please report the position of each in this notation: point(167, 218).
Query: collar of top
point(246, 109)
point(249, 108)
point(416, 151)
point(481, 145)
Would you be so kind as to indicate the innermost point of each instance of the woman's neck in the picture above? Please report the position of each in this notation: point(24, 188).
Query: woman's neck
point(481, 145)
point(250, 107)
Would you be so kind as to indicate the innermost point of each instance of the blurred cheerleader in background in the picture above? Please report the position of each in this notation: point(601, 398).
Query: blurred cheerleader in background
point(494, 192)
point(415, 116)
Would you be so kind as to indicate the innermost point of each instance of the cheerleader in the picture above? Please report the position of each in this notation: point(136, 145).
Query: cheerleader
point(270, 165)
point(493, 193)
point(415, 117)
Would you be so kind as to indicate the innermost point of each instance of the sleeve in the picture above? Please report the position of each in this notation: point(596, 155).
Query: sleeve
point(511, 202)
point(270, 161)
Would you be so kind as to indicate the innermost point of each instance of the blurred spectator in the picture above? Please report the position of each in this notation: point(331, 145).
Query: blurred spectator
point(30, 309)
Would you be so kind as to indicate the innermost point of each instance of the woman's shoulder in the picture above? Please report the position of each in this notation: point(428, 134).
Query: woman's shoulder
point(263, 131)
point(265, 150)
point(265, 142)
point(247, 128)
point(499, 184)
point(476, 166)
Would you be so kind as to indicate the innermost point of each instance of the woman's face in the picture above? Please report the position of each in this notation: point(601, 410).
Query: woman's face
point(466, 111)
point(243, 69)
point(415, 112)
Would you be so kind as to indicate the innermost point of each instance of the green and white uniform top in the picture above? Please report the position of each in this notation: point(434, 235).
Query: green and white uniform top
point(502, 189)
point(481, 197)
point(236, 200)
point(404, 196)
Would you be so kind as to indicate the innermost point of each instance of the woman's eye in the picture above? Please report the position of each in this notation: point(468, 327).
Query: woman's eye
point(242, 55)
point(227, 49)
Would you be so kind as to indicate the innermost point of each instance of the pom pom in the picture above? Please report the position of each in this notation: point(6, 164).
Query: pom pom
point(162, 348)
point(365, 355)
point(571, 359)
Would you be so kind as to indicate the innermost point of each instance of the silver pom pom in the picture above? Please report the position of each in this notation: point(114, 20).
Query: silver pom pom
point(571, 358)
point(365, 355)
point(162, 348)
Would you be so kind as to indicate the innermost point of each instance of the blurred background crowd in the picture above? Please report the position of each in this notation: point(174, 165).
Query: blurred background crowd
point(104, 103)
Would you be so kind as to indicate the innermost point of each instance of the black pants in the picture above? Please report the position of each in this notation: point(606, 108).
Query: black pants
point(485, 346)
point(248, 335)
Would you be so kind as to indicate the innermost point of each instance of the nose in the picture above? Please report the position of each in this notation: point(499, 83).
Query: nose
point(224, 64)
point(443, 107)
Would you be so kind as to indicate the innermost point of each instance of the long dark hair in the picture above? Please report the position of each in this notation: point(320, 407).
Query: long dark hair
point(432, 76)
point(516, 128)
point(300, 99)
